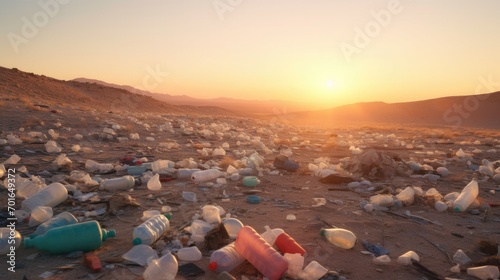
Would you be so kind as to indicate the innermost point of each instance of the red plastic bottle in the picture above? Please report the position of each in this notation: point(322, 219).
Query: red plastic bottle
point(260, 254)
point(286, 244)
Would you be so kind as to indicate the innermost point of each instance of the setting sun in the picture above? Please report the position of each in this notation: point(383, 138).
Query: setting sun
point(330, 84)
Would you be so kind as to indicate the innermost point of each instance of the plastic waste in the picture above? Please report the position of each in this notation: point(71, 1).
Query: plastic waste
point(13, 159)
point(51, 196)
point(461, 258)
point(286, 244)
point(185, 173)
point(161, 166)
point(39, 215)
point(339, 237)
point(149, 231)
point(407, 196)
point(136, 170)
point(466, 197)
point(320, 201)
point(382, 260)
point(52, 147)
point(154, 183)
point(141, 254)
point(225, 259)
point(270, 235)
point(189, 254)
point(250, 181)
point(440, 206)
point(405, 259)
point(382, 200)
point(146, 215)
point(164, 268)
point(118, 184)
point(313, 271)
point(6, 241)
point(442, 171)
point(295, 264)
point(205, 175)
point(211, 214)
point(232, 226)
point(94, 166)
point(225, 276)
point(62, 160)
point(375, 249)
point(253, 199)
point(86, 236)
point(260, 254)
point(62, 219)
point(484, 272)
point(199, 229)
point(189, 196)
point(291, 217)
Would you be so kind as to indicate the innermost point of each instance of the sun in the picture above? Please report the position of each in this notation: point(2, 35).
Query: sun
point(330, 84)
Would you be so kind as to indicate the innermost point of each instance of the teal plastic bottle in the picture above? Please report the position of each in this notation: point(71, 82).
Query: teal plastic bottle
point(86, 236)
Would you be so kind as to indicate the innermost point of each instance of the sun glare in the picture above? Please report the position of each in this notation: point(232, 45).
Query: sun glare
point(330, 84)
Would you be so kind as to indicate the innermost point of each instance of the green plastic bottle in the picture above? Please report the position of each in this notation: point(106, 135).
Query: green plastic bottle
point(86, 236)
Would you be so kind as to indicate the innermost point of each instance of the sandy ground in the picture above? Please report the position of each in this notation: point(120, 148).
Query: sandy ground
point(287, 193)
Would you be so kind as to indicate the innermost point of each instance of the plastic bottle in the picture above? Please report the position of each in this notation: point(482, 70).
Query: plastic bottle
point(6, 243)
point(484, 272)
point(466, 197)
point(260, 254)
point(118, 184)
point(63, 219)
point(164, 268)
point(86, 236)
point(211, 214)
point(250, 181)
point(189, 254)
point(39, 215)
point(232, 226)
point(225, 259)
point(205, 175)
point(185, 173)
point(339, 237)
point(313, 271)
point(286, 244)
point(51, 196)
point(149, 231)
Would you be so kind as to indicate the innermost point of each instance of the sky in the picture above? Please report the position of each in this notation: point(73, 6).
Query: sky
point(323, 53)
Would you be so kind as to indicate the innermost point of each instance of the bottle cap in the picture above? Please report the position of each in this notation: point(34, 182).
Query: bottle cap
point(168, 216)
point(108, 234)
point(137, 241)
point(322, 232)
point(212, 266)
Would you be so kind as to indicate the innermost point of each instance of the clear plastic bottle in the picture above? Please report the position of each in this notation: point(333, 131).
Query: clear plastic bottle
point(149, 231)
point(466, 197)
point(63, 219)
point(6, 243)
point(225, 259)
point(164, 268)
point(51, 196)
point(86, 236)
point(118, 184)
point(185, 173)
point(189, 254)
point(205, 175)
point(39, 215)
point(260, 254)
point(339, 237)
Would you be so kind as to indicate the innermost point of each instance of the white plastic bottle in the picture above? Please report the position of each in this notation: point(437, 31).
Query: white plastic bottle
point(149, 231)
point(225, 259)
point(6, 243)
point(51, 196)
point(185, 173)
point(118, 184)
point(205, 175)
point(339, 237)
point(164, 268)
point(466, 197)
point(39, 215)
point(63, 219)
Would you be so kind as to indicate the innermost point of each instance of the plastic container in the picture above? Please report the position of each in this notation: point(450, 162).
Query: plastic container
point(295, 264)
point(313, 271)
point(286, 244)
point(6, 243)
point(154, 183)
point(225, 259)
point(86, 236)
point(484, 272)
point(211, 214)
point(149, 231)
point(253, 199)
point(339, 237)
point(270, 235)
point(405, 259)
point(164, 268)
point(160, 166)
point(118, 184)
point(199, 229)
point(466, 197)
point(232, 226)
point(136, 170)
point(185, 173)
point(189, 254)
point(407, 196)
point(382, 200)
point(260, 254)
point(39, 215)
point(250, 181)
point(205, 175)
point(140, 254)
point(51, 196)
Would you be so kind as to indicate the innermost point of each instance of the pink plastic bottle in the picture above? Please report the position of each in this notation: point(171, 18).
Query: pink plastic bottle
point(260, 254)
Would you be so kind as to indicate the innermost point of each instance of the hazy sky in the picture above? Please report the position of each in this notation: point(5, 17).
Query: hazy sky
point(327, 52)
